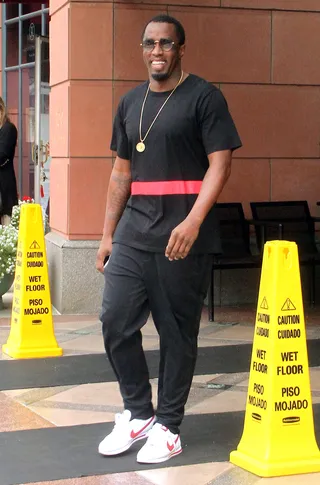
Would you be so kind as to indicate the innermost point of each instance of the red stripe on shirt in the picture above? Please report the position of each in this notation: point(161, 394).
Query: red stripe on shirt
point(173, 187)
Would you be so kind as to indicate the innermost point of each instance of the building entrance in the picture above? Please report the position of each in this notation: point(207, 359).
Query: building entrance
point(24, 25)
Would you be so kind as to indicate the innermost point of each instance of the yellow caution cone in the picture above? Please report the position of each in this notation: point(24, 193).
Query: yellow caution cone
point(278, 437)
point(31, 333)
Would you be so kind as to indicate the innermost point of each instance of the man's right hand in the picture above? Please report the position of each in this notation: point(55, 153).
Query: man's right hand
point(104, 250)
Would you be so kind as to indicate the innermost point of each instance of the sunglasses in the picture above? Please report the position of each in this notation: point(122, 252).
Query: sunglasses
point(165, 44)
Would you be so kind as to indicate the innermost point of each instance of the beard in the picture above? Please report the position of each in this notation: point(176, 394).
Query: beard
point(160, 76)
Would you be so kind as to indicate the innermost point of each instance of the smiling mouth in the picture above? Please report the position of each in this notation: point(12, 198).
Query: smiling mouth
point(158, 64)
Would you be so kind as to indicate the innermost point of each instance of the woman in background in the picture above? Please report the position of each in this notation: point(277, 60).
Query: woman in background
point(8, 184)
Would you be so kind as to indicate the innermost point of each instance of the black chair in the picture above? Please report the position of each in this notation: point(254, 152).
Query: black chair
point(291, 221)
point(235, 241)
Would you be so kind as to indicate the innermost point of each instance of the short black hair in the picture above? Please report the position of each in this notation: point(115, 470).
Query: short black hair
point(166, 19)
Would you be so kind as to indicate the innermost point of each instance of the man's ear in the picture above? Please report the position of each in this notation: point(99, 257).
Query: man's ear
point(182, 51)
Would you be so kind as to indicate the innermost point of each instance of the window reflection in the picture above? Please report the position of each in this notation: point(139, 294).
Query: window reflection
point(12, 10)
point(30, 28)
point(28, 136)
point(12, 52)
point(33, 7)
point(25, 120)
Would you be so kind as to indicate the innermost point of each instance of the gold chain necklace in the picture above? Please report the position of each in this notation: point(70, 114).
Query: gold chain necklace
point(141, 146)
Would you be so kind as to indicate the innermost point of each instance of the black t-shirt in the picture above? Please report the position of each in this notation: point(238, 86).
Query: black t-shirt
point(194, 123)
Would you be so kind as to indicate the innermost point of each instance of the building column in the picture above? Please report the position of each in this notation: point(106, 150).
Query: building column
point(81, 50)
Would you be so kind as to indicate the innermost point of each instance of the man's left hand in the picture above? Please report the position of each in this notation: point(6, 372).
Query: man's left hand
point(181, 240)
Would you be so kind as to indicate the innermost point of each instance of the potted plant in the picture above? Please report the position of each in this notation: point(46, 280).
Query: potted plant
point(8, 253)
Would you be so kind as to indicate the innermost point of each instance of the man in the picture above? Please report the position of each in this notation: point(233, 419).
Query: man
point(174, 139)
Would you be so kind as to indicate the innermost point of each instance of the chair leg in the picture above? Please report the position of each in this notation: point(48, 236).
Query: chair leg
point(211, 298)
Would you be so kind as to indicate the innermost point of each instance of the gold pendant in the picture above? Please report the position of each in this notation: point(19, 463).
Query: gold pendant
point(140, 147)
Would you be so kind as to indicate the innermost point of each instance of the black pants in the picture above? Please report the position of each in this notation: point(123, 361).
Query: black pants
point(137, 282)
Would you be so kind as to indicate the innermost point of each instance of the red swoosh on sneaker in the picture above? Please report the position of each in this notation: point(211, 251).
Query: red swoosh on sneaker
point(135, 434)
point(170, 447)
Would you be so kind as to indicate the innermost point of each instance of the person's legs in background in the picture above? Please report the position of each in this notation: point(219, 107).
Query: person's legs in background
point(5, 220)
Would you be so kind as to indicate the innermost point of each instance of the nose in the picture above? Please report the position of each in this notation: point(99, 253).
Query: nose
point(157, 49)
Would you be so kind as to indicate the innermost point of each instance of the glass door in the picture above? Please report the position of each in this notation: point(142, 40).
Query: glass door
point(41, 147)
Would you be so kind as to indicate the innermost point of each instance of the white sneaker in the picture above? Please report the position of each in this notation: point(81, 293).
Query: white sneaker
point(125, 433)
point(160, 446)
